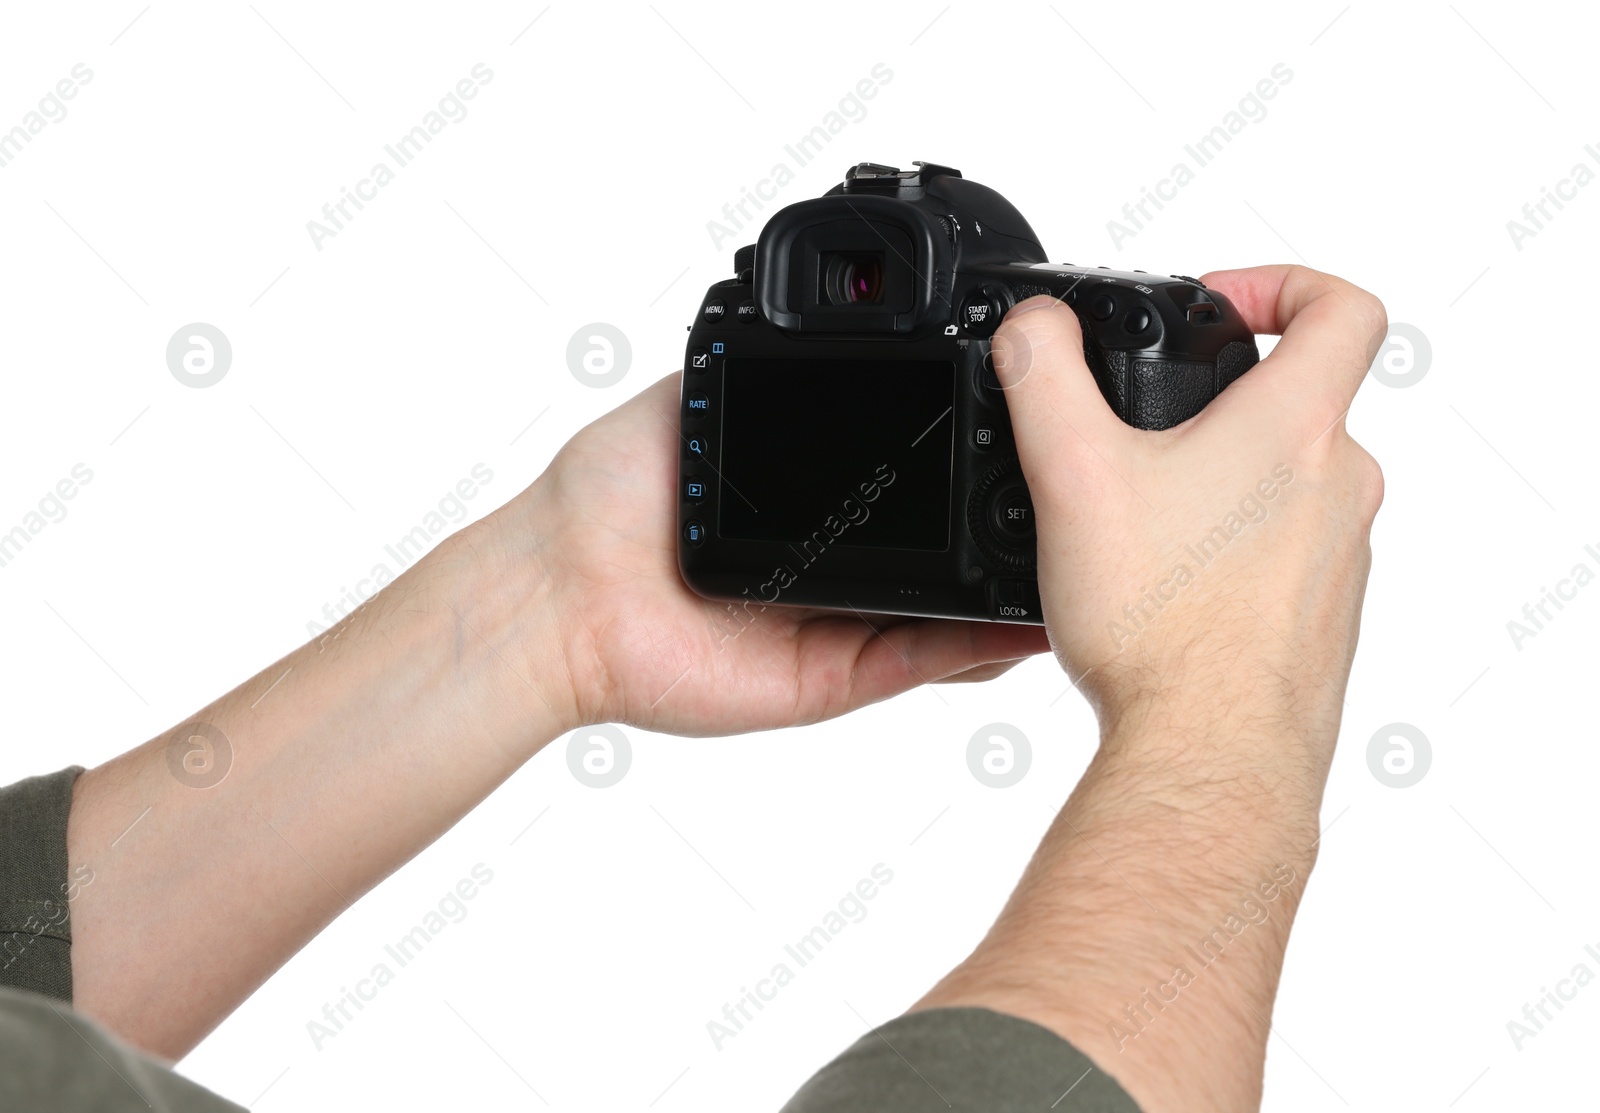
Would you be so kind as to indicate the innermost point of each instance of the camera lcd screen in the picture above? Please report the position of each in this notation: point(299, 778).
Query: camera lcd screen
point(806, 442)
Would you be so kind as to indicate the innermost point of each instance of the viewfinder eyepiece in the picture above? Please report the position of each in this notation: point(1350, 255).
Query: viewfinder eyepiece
point(852, 278)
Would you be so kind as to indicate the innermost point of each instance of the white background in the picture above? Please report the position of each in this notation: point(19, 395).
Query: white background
point(427, 335)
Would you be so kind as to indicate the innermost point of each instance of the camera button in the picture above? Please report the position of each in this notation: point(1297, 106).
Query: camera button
point(716, 310)
point(980, 313)
point(699, 359)
point(1137, 321)
point(983, 438)
point(746, 313)
point(1000, 517)
point(694, 490)
point(1011, 511)
point(1014, 599)
point(694, 532)
point(696, 446)
point(697, 403)
point(1103, 307)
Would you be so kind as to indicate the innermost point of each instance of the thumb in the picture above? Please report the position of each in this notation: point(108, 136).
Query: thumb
point(1056, 407)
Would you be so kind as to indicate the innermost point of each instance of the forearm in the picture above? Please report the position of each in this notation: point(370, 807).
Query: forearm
point(563, 607)
point(1150, 927)
point(347, 757)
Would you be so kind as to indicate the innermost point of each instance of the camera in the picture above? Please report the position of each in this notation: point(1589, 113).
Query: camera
point(845, 443)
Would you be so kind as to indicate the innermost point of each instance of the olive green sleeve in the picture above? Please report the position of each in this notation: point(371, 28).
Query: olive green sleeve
point(961, 1059)
point(35, 891)
point(53, 1058)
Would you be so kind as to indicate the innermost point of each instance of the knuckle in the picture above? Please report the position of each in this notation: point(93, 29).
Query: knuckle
point(1373, 315)
point(1368, 481)
point(1362, 308)
point(1299, 274)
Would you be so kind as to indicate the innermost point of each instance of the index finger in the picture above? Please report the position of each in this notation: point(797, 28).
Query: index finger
point(1331, 329)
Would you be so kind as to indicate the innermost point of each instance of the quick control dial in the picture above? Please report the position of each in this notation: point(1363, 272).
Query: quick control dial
point(1000, 517)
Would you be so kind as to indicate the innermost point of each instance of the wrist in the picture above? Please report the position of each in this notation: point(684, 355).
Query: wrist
point(491, 583)
point(1251, 789)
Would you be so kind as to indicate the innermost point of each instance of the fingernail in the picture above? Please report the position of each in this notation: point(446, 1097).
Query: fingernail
point(1000, 354)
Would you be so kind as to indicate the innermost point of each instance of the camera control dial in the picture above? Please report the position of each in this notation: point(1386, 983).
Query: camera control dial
point(1000, 517)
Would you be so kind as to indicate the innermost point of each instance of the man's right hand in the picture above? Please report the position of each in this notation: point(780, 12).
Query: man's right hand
point(1202, 586)
point(1210, 574)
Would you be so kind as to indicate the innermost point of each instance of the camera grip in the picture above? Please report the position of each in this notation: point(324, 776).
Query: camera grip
point(1160, 391)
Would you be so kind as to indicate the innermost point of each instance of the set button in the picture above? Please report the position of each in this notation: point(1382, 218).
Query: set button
point(1011, 511)
point(1000, 516)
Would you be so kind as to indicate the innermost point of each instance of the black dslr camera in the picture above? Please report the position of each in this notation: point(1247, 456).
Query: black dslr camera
point(845, 443)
